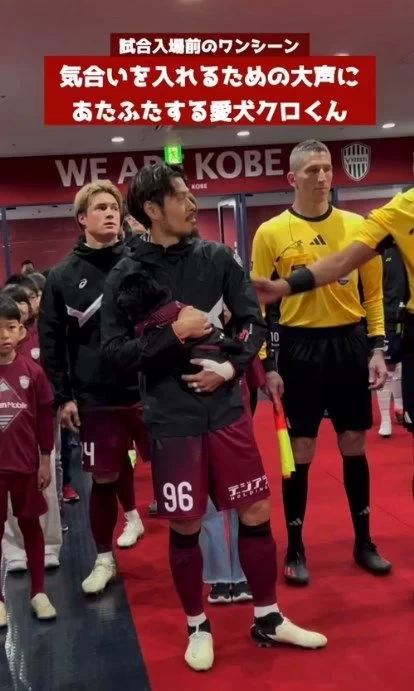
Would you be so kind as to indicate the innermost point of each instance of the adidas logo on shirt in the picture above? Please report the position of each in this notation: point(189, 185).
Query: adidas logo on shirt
point(318, 240)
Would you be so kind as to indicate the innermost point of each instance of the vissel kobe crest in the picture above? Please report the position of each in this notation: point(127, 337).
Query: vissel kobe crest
point(356, 160)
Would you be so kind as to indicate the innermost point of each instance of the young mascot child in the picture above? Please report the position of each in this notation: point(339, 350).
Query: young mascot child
point(26, 442)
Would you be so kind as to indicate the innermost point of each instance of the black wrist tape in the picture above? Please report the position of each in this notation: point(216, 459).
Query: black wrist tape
point(269, 364)
point(301, 281)
point(376, 342)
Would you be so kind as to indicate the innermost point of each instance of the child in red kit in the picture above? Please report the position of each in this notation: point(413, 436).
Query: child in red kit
point(26, 442)
point(13, 548)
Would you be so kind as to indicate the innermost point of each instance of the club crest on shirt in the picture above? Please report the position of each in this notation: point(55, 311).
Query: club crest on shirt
point(35, 353)
point(24, 382)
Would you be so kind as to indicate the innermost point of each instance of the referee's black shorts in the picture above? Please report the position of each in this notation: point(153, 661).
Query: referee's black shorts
point(407, 372)
point(325, 369)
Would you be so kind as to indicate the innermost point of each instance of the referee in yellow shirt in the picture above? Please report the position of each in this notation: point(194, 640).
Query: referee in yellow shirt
point(325, 360)
point(394, 221)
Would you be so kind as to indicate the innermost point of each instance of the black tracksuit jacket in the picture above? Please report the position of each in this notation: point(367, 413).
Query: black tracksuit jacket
point(70, 331)
point(395, 288)
point(198, 273)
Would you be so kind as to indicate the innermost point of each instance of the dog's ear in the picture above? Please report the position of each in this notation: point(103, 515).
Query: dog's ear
point(140, 295)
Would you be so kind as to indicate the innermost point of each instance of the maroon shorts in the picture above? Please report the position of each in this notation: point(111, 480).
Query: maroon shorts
point(26, 500)
point(225, 465)
point(107, 436)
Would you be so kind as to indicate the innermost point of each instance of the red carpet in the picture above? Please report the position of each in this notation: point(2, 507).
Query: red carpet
point(369, 621)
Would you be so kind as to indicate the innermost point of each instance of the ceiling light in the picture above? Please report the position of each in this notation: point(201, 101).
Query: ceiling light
point(388, 125)
point(243, 133)
point(117, 140)
point(342, 55)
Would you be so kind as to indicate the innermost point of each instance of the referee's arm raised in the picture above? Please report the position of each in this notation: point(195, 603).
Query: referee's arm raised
point(374, 236)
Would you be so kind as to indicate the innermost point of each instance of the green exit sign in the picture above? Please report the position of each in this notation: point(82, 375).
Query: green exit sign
point(173, 155)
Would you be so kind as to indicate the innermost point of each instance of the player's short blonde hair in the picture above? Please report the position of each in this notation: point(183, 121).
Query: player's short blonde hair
point(300, 152)
point(85, 195)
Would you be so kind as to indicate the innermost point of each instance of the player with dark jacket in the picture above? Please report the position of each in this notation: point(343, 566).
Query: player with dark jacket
point(395, 289)
point(203, 440)
point(104, 409)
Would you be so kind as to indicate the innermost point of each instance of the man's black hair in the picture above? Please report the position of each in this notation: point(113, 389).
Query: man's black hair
point(151, 184)
point(27, 261)
point(8, 309)
point(39, 280)
point(14, 279)
point(23, 280)
point(16, 293)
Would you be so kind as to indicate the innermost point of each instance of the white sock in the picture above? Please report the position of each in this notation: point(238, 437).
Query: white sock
point(197, 621)
point(384, 401)
point(132, 516)
point(264, 611)
point(106, 555)
point(397, 394)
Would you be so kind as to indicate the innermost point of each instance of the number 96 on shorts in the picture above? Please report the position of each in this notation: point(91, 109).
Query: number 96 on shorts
point(177, 498)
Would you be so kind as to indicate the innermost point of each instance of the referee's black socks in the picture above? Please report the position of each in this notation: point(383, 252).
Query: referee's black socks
point(357, 486)
point(295, 495)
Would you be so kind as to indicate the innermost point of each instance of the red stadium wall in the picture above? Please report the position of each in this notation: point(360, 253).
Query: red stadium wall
point(363, 206)
point(47, 240)
point(44, 240)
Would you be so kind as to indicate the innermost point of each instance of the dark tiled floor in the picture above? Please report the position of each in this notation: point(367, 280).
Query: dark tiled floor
point(92, 646)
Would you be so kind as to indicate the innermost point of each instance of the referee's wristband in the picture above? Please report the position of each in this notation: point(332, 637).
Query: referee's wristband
point(301, 281)
point(269, 364)
point(376, 343)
